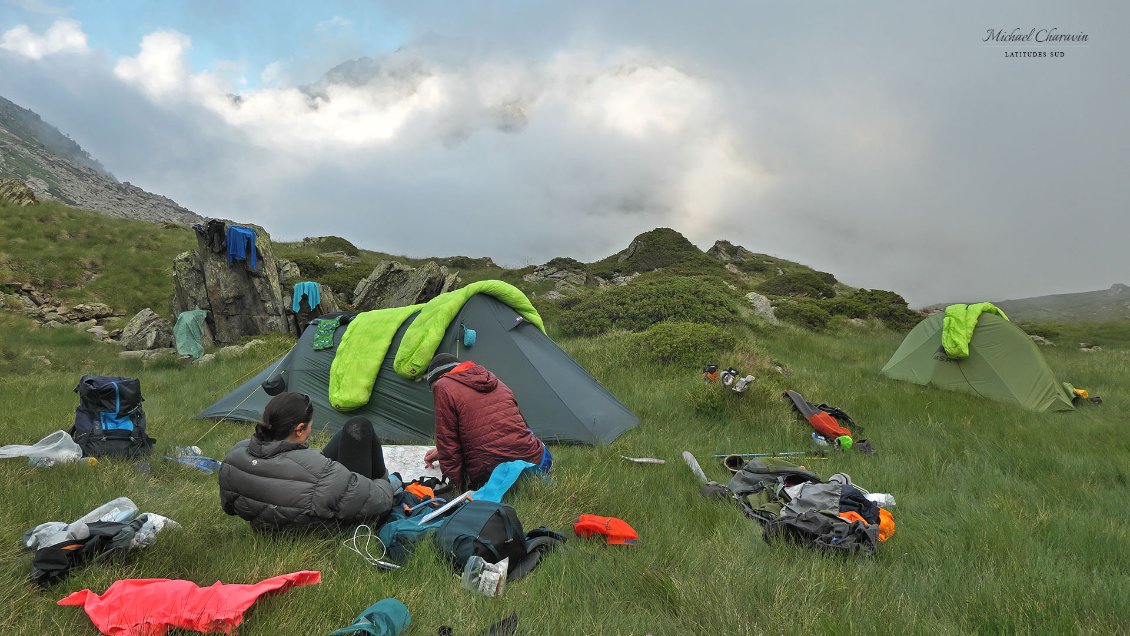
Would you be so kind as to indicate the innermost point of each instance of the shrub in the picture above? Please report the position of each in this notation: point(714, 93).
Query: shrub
point(753, 266)
point(683, 343)
point(1042, 330)
point(637, 306)
point(334, 244)
point(806, 284)
point(564, 262)
point(848, 306)
point(888, 307)
point(803, 313)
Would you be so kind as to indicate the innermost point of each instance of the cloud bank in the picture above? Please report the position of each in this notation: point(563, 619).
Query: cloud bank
point(920, 176)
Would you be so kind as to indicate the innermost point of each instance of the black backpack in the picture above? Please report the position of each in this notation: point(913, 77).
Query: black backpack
point(492, 531)
point(109, 420)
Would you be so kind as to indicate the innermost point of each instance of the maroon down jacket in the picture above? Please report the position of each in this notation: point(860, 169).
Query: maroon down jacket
point(478, 425)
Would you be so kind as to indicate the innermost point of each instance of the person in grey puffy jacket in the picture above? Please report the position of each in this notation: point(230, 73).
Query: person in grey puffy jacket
point(277, 482)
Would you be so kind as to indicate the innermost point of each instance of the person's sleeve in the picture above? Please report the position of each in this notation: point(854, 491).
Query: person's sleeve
point(351, 497)
point(447, 437)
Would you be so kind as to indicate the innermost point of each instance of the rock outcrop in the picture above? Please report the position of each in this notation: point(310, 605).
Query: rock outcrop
point(239, 301)
point(48, 311)
point(55, 168)
point(392, 284)
point(145, 331)
point(762, 306)
point(16, 192)
point(566, 280)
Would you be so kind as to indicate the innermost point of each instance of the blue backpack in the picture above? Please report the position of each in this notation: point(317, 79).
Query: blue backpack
point(109, 420)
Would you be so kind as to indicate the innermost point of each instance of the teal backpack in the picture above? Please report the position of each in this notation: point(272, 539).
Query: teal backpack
point(492, 531)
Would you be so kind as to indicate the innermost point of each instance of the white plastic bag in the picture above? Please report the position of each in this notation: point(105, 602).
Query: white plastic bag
point(58, 447)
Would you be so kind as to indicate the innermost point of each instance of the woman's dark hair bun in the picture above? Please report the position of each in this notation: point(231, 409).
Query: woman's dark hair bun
point(283, 413)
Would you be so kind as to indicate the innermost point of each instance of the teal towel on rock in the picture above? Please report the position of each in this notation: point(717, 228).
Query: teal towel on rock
point(313, 295)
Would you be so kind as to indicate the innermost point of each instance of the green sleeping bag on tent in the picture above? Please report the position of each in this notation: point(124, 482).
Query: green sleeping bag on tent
point(424, 334)
point(366, 340)
point(360, 353)
point(958, 326)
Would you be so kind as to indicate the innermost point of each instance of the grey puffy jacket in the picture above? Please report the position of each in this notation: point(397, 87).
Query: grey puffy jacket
point(281, 485)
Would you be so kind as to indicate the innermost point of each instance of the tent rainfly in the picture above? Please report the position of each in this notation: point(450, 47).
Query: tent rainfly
point(1003, 364)
point(561, 402)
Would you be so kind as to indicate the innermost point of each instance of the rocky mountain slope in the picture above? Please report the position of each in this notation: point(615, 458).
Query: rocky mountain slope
point(1103, 305)
point(56, 168)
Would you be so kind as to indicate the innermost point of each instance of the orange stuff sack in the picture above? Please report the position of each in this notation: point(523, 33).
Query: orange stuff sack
point(886, 524)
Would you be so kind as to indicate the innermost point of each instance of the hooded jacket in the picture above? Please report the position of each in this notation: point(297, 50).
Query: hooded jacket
point(281, 485)
point(478, 425)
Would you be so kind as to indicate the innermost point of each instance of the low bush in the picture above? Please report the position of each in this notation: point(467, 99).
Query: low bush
point(847, 306)
point(683, 343)
point(804, 313)
point(334, 244)
point(805, 284)
point(639, 305)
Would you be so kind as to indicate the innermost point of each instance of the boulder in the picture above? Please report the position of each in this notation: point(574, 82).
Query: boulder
point(16, 192)
point(762, 306)
point(392, 284)
point(89, 311)
point(288, 270)
point(99, 332)
point(146, 331)
point(240, 301)
point(571, 277)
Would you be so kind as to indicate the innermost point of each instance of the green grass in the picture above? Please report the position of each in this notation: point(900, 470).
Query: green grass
point(81, 256)
point(1008, 521)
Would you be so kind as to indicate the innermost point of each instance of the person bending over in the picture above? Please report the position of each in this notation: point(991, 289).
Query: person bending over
point(277, 482)
point(478, 424)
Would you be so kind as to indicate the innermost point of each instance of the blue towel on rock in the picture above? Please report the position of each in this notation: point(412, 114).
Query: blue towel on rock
point(241, 245)
point(313, 295)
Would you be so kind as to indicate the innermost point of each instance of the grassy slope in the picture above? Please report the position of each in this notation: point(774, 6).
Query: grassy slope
point(1007, 521)
point(54, 246)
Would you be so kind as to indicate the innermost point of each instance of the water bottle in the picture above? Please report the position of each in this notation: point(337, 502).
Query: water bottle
point(488, 579)
point(882, 499)
point(819, 439)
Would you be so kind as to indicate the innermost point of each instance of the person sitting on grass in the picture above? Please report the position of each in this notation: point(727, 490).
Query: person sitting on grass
point(478, 424)
point(277, 482)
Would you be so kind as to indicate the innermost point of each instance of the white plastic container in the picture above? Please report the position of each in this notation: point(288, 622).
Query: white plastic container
point(882, 499)
point(488, 579)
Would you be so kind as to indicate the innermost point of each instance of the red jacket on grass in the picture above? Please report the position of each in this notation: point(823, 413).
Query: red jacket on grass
point(478, 425)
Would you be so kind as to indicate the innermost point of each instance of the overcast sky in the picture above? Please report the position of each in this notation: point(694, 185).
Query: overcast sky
point(889, 145)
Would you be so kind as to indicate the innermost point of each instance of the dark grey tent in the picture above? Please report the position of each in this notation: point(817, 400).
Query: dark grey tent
point(560, 400)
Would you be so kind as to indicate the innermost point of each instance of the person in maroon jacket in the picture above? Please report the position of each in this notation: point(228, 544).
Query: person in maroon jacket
point(478, 424)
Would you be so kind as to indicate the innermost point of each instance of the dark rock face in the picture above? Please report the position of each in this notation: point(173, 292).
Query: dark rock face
point(239, 301)
point(394, 285)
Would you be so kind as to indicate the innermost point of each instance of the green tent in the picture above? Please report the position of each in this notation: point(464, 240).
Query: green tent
point(559, 399)
point(1003, 364)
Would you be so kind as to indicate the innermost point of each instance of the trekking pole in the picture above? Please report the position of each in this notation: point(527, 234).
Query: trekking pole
point(776, 454)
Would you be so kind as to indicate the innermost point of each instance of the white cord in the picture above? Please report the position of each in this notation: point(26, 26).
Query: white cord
point(368, 537)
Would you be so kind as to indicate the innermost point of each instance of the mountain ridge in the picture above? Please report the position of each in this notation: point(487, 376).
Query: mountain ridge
point(56, 168)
